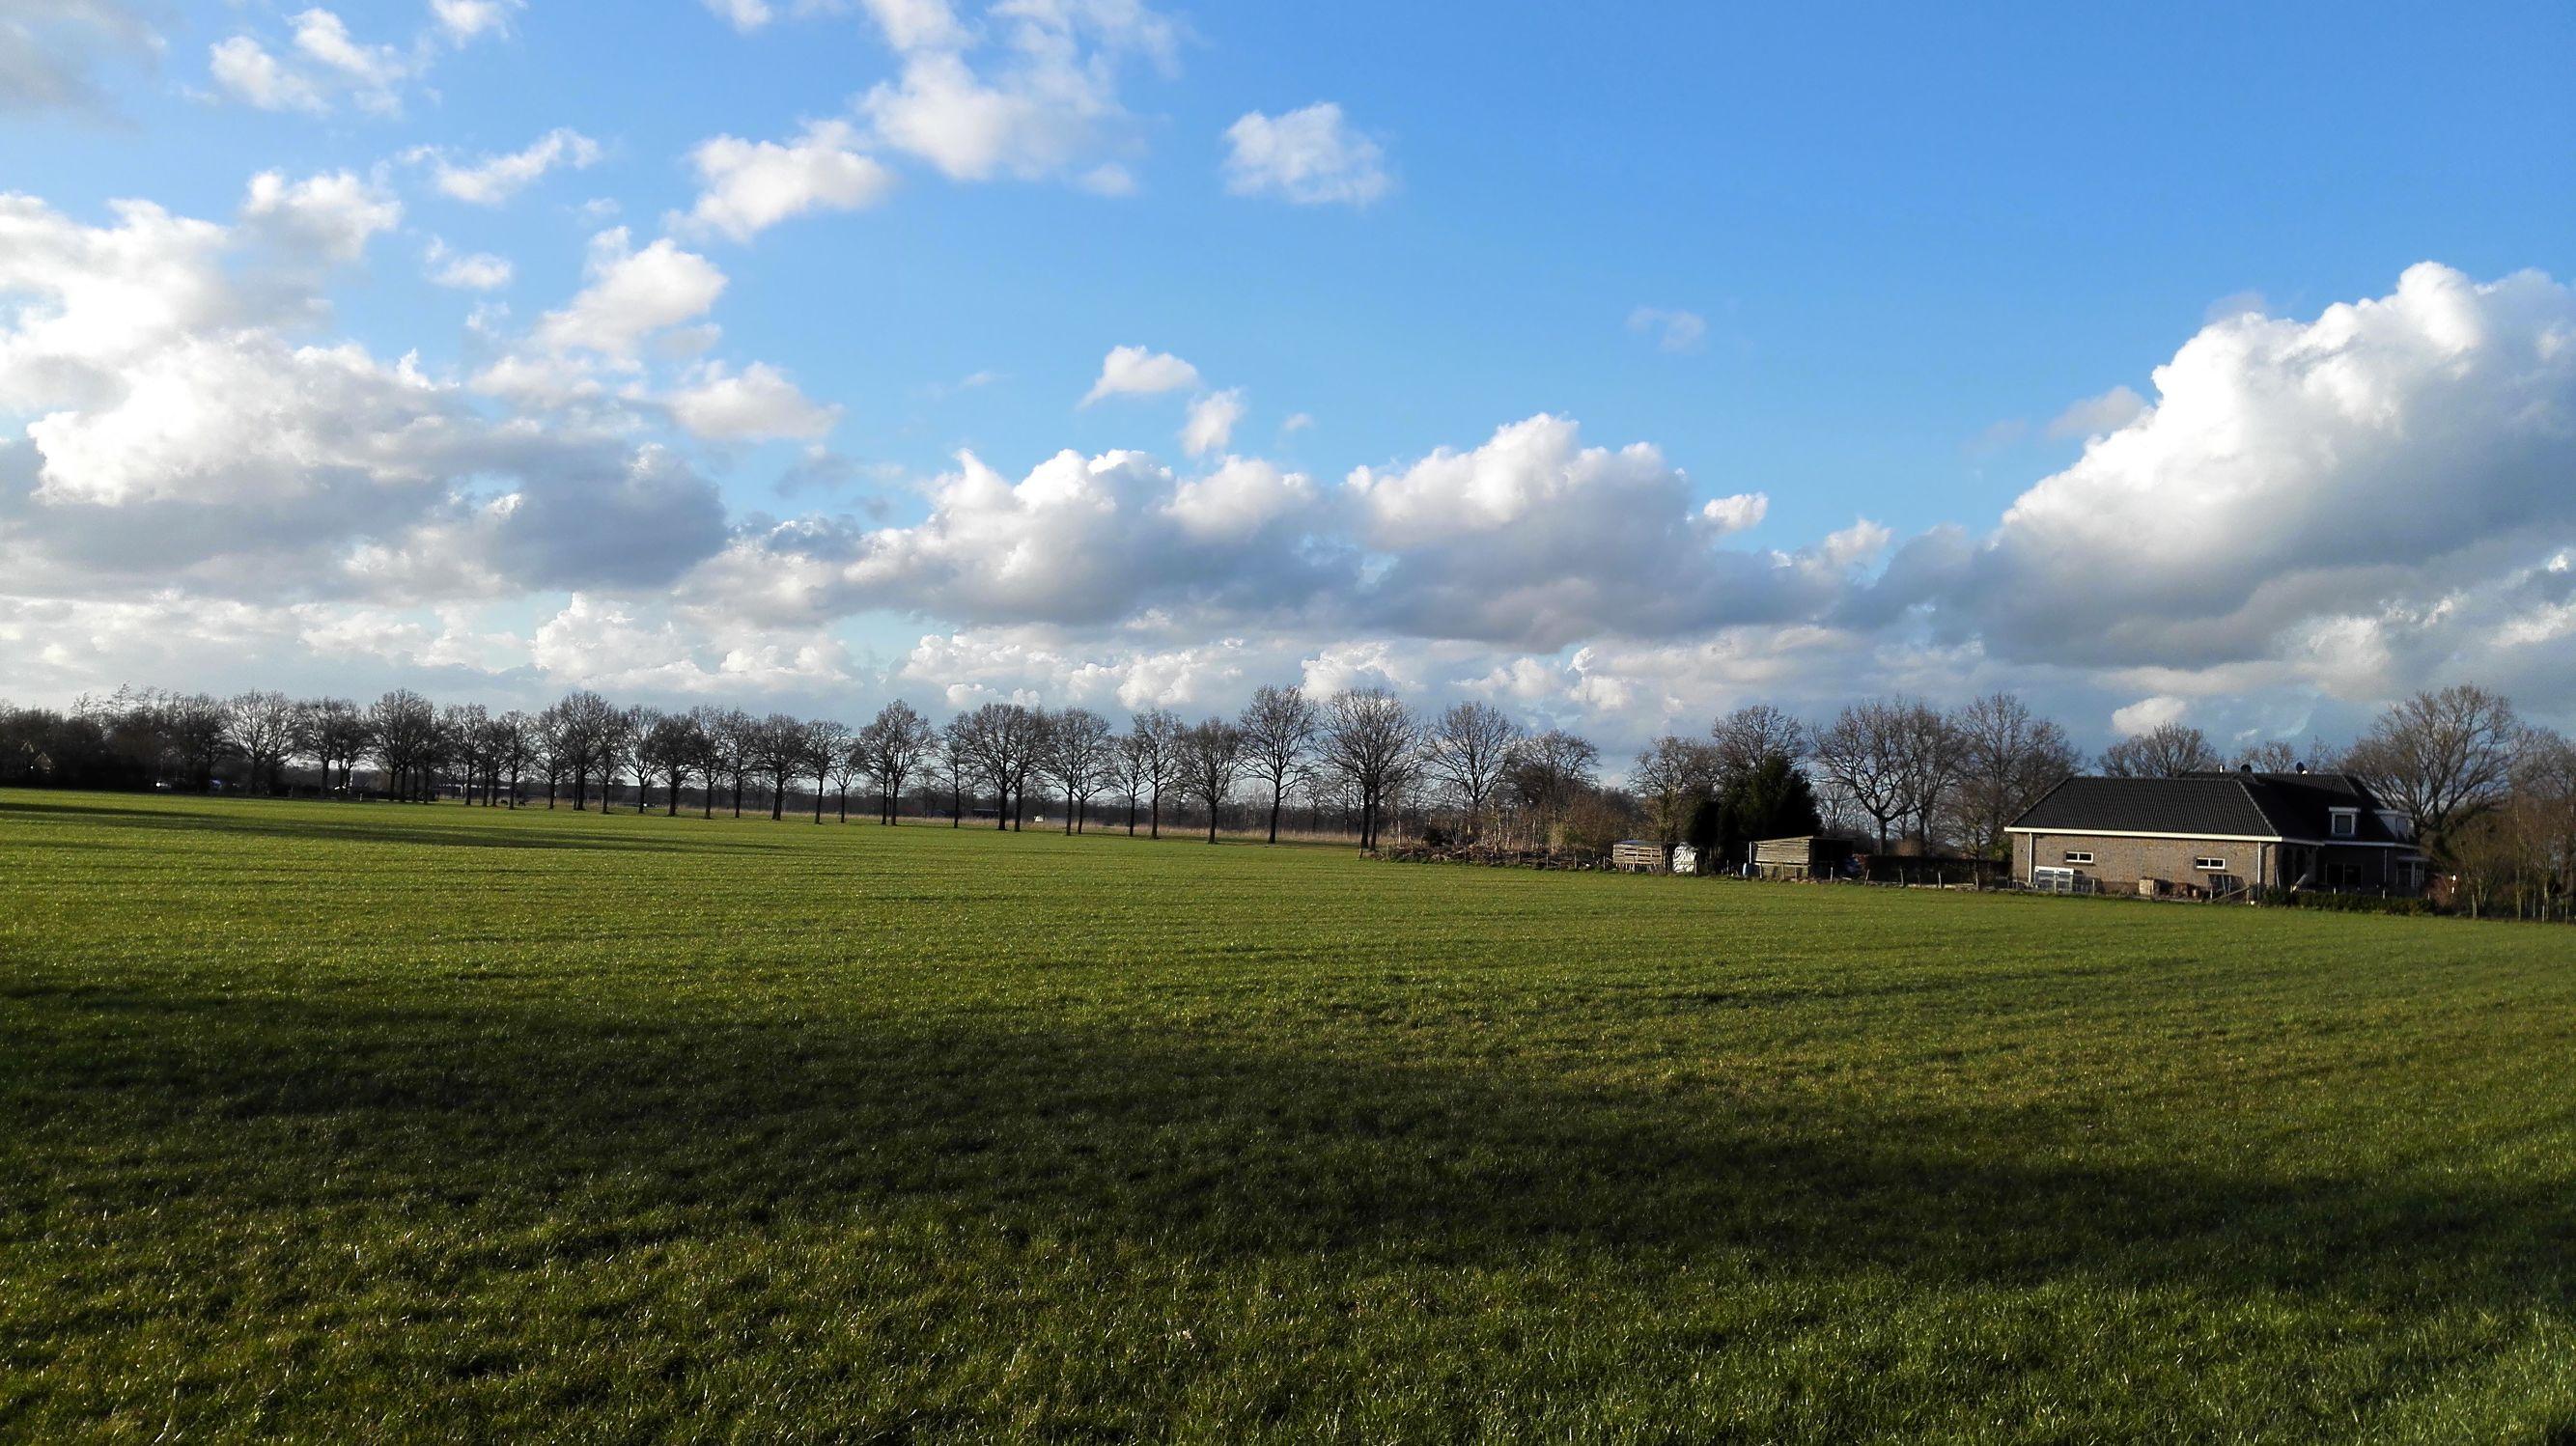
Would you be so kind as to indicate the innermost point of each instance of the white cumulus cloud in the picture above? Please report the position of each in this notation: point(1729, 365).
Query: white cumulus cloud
point(474, 271)
point(2288, 472)
point(748, 186)
point(1135, 371)
point(464, 21)
point(1211, 421)
point(1312, 156)
point(244, 70)
point(1032, 94)
point(333, 215)
point(495, 179)
point(628, 295)
point(757, 403)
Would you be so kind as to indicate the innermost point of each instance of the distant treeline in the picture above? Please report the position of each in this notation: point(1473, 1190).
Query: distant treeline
point(2492, 799)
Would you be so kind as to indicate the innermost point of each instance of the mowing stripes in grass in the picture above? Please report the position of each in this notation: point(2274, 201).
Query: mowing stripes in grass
point(326, 1119)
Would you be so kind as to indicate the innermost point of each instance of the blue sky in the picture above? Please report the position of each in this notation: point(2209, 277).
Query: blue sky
point(1861, 262)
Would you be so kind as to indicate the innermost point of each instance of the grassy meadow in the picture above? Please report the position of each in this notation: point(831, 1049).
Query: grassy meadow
point(364, 1120)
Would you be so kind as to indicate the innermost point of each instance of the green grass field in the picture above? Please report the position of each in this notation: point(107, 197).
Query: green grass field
point(359, 1120)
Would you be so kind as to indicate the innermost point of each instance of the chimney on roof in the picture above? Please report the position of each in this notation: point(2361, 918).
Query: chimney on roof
point(2303, 768)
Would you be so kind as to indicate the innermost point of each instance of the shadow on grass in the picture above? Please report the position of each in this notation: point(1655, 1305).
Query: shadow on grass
point(1194, 1150)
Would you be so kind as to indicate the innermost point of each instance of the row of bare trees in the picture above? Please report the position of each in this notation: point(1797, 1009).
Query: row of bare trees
point(2485, 793)
point(1362, 753)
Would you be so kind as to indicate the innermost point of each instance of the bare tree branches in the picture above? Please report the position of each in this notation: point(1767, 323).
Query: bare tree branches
point(1467, 749)
point(2442, 759)
point(1862, 754)
point(1148, 757)
point(822, 744)
point(1212, 756)
point(1369, 741)
point(1077, 753)
point(898, 742)
point(2011, 757)
point(1547, 773)
point(1671, 778)
point(262, 726)
point(1748, 736)
point(2168, 750)
point(1000, 742)
point(1279, 727)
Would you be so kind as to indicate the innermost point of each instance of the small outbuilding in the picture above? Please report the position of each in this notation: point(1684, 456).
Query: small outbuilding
point(1637, 856)
point(1808, 856)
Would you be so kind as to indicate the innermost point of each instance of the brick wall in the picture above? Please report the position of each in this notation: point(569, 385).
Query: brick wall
point(2118, 863)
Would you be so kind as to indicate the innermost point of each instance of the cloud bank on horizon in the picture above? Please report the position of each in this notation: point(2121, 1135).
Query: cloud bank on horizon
point(212, 477)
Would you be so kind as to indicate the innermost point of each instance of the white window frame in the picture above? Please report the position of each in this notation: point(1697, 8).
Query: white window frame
point(2210, 864)
point(2079, 856)
point(2344, 823)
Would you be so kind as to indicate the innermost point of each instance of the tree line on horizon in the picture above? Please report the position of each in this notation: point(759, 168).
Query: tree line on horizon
point(2488, 795)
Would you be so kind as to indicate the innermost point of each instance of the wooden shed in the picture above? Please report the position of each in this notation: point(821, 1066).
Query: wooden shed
point(1637, 856)
point(1809, 856)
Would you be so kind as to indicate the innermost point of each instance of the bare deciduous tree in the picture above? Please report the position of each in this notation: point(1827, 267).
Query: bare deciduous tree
point(514, 736)
point(1750, 735)
point(1211, 760)
point(778, 746)
point(1467, 749)
point(333, 733)
point(821, 744)
point(849, 766)
point(2441, 758)
point(1001, 743)
point(2012, 756)
point(461, 741)
point(733, 739)
point(1369, 741)
point(2280, 755)
point(1547, 774)
point(583, 721)
point(404, 728)
point(1279, 727)
point(1079, 754)
point(623, 750)
point(1862, 753)
point(262, 727)
point(1148, 755)
point(671, 749)
point(956, 763)
point(1934, 756)
point(1671, 778)
point(899, 742)
point(2168, 750)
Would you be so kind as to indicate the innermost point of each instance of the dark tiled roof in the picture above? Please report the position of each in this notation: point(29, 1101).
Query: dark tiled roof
point(2243, 805)
point(2199, 806)
point(2302, 804)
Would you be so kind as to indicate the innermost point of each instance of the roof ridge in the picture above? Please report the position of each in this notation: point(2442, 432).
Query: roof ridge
point(2245, 784)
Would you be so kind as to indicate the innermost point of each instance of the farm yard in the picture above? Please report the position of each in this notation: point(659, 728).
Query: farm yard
point(371, 1119)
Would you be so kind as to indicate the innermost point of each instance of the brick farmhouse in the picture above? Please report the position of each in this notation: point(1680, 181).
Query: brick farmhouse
point(2218, 834)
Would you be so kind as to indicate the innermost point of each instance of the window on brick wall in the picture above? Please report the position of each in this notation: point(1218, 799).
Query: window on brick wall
point(2079, 856)
point(2210, 865)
